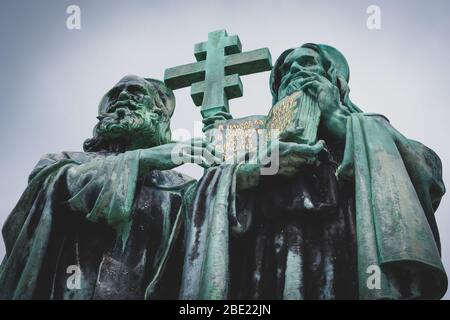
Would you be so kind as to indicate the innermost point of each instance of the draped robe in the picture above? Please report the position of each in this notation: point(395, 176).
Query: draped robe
point(317, 235)
point(94, 213)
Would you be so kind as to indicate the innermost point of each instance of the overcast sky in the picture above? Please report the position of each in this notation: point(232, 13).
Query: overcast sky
point(52, 78)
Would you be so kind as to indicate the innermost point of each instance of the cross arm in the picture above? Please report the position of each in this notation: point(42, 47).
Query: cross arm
point(185, 75)
point(231, 84)
point(248, 62)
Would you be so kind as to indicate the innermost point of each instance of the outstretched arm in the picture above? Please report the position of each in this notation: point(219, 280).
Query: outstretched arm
point(171, 155)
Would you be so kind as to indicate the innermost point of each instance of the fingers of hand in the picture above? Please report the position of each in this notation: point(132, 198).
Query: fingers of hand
point(291, 133)
point(201, 152)
point(196, 156)
point(218, 116)
point(187, 158)
point(309, 150)
point(209, 149)
point(210, 121)
point(312, 87)
point(295, 155)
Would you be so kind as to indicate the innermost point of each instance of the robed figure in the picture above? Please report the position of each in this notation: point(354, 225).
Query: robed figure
point(349, 218)
point(105, 223)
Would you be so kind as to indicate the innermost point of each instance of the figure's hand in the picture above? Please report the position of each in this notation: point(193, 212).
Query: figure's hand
point(326, 93)
point(289, 156)
point(292, 155)
point(333, 114)
point(292, 134)
point(209, 122)
point(171, 155)
point(198, 151)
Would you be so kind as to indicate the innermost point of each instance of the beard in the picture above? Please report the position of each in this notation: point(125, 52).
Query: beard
point(293, 83)
point(112, 127)
point(139, 126)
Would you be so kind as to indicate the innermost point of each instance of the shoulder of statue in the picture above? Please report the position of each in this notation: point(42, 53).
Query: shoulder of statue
point(77, 157)
point(372, 114)
point(47, 160)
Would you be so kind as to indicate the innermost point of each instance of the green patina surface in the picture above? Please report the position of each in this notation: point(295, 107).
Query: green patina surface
point(214, 78)
point(396, 183)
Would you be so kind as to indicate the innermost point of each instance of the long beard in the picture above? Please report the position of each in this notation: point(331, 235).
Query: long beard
point(139, 127)
point(111, 127)
point(292, 83)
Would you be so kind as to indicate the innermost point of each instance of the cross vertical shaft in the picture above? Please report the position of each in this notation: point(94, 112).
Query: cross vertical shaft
point(214, 97)
point(214, 78)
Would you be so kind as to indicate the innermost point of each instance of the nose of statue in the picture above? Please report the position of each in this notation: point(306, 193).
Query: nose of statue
point(124, 95)
point(295, 67)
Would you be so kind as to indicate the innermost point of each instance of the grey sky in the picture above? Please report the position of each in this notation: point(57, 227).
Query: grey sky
point(52, 78)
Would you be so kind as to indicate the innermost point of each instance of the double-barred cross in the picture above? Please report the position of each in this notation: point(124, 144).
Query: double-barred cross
point(214, 78)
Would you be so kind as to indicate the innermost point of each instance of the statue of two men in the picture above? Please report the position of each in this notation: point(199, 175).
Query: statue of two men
point(133, 228)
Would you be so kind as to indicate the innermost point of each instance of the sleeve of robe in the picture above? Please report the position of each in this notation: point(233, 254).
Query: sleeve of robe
point(102, 188)
point(398, 186)
point(27, 230)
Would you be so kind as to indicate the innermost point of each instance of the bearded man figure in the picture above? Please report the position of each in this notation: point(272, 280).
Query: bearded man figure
point(350, 219)
point(105, 223)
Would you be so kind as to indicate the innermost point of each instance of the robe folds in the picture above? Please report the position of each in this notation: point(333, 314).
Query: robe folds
point(94, 217)
point(322, 233)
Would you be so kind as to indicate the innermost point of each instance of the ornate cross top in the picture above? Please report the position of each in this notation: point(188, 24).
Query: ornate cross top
point(214, 78)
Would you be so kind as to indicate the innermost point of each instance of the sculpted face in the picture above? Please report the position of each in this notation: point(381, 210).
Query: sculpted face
point(299, 64)
point(131, 112)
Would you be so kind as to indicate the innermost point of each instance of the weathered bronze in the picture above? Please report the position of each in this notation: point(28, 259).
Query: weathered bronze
point(215, 77)
point(111, 215)
point(334, 216)
point(348, 214)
